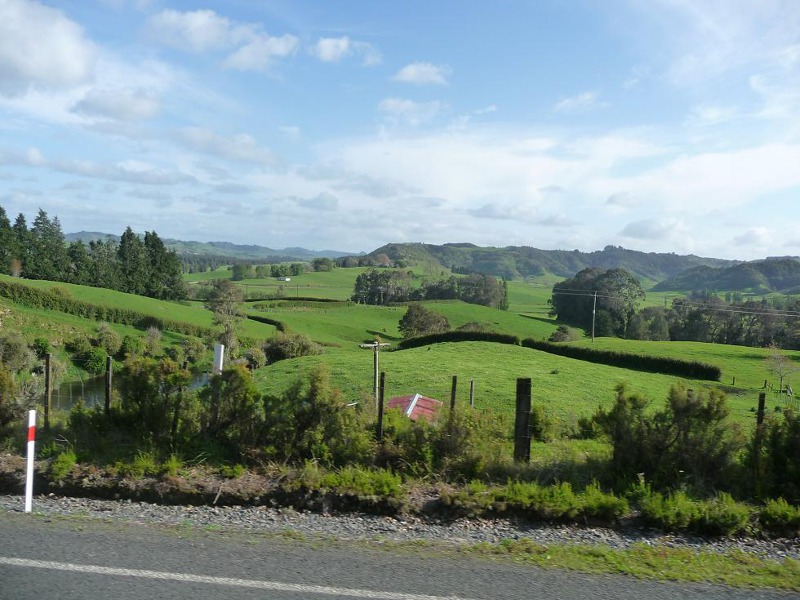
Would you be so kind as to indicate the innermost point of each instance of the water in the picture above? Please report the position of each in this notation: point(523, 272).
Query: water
point(93, 391)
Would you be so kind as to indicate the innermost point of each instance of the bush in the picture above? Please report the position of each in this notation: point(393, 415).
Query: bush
point(41, 347)
point(720, 515)
point(778, 517)
point(108, 339)
point(364, 483)
point(288, 345)
point(95, 362)
point(458, 336)
point(62, 465)
point(692, 440)
point(564, 334)
point(419, 320)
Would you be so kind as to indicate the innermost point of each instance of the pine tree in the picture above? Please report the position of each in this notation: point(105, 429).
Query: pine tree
point(7, 243)
point(134, 269)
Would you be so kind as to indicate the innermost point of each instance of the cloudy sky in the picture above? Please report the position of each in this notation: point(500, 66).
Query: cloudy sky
point(657, 125)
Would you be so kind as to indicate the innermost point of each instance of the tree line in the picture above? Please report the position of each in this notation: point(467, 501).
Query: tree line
point(381, 287)
point(134, 264)
point(609, 300)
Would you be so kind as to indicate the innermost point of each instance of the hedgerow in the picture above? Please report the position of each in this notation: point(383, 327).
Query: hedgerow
point(626, 360)
point(459, 336)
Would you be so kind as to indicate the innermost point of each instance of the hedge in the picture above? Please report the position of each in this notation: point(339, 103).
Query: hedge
point(458, 336)
point(279, 325)
point(626, 360)
point(53, 300)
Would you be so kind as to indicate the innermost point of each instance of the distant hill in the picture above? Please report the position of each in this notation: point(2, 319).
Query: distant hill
point(780, 274)
point(90, 236)
point(248, 252)
point(239, 252)
point(523, 261)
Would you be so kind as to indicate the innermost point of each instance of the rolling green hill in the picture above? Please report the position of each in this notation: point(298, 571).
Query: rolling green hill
point(760, 277)
point(522, 261)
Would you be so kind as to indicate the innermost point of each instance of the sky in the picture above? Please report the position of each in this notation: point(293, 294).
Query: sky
point(656, 125)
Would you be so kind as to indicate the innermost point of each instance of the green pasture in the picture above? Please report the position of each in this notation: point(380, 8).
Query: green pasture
point(176, 311)
point(220, 273)
point(567, 388)
point(339, 325)
point(523, 325)
point(745, 364)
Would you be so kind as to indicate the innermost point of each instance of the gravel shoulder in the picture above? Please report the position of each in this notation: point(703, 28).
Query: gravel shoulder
point(366, 527)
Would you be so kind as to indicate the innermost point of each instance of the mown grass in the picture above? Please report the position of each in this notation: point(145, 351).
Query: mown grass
point(192, 313)
point(746, 365)
point(567, 388)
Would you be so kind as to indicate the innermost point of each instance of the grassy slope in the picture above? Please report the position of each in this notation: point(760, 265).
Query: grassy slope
point(184, 312)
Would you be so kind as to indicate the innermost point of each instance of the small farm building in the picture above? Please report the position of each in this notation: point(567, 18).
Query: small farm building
point(416, 406)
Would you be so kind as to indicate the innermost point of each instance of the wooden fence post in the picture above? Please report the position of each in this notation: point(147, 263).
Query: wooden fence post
point(381, 391)
point(472, 393)
point(453, 393)
point(522, 422)
point(48, 390)
point(762, 397)
point(108, 386)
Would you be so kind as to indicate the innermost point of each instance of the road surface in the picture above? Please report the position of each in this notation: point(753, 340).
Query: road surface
point(74, 558)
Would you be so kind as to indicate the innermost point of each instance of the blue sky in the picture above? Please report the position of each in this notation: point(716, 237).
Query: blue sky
point(657, 125)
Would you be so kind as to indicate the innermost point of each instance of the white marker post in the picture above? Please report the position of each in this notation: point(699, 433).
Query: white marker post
point(219, 359)
point(31, 454)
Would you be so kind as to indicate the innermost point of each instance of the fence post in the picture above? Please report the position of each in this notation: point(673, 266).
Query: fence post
point(762, 397)
point(472, 393)
point(522, 422)
point(108, 385)
point(453, 393)
point(48, 390)
point(381, 390)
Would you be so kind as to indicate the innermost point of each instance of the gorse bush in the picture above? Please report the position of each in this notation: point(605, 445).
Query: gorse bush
point(778, 517)
point(289, 345)
point(691, 441)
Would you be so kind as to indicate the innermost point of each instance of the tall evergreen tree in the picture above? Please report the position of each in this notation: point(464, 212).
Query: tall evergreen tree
point(7, 243)
point(165, 281)
point(105, 264)
point(48, 256)
point(81, 266)
point(22, 242)
point(134, 268)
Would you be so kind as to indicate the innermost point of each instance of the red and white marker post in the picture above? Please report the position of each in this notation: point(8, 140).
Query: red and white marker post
point(31, 453)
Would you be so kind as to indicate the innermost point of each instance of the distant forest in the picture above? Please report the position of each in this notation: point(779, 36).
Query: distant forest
point(133, 264)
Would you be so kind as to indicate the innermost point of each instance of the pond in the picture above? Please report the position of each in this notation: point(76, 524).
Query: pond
point(93, 391)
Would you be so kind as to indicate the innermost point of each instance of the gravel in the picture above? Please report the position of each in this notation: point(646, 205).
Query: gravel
point(395, 529)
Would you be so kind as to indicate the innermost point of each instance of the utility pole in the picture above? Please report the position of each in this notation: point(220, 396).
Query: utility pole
point(594, 312)
point(376, 348)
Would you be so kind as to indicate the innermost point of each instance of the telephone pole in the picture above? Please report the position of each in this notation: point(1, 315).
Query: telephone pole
point(594, 312)
point(376, 348)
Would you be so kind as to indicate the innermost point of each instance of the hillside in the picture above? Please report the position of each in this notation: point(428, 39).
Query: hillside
point(523, 261)
point(761, 276)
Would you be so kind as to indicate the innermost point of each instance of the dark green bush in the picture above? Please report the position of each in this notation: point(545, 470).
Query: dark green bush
point(458, 336)
point(691, 441)
point(290, 345)
point(778, 517)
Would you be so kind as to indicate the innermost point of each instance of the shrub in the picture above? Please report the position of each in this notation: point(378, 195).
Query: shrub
point(108, 339)
point(62, 465)
point(564, 334)
point(364, 483)
point(288, 345)
point(720, 515)
point(41, 347)
point(95, 362)
point(778, 517)
point(691, 440)
point(419, 320)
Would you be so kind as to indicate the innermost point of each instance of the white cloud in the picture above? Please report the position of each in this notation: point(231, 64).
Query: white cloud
point(336, 49)
point(622, 199)
point(258, 54)
point(121, 105)
point(413, 113)
point(578, 103)
point(324, 201)
point(204, 31)
point(242, 147)
point(708, 116)
point(423, 73)
point(40, 47)
point(654, 229)
point(757, 236)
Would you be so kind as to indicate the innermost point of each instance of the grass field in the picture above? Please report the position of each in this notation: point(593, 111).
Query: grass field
point(568, 388)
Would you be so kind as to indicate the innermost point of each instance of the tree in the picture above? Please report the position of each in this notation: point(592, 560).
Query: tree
point(134, 268)
point(617, 291)
point(105, 262)
point(7, 243)
point(47, 258)
point(22, 243)
point(418, 320)
point(81, 267)
point(224, 300)
point(164, 273)
point(322, 264)
point(780, 365)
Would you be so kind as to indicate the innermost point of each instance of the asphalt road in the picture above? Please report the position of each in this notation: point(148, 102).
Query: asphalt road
point(65, 559)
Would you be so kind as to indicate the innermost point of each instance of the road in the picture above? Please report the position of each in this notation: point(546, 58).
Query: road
point(65, 559)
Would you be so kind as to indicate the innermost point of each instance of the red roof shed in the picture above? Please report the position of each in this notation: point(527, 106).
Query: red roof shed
point(416, 406)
